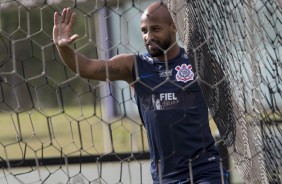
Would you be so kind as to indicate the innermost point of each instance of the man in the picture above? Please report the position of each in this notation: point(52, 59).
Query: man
point(170, 102)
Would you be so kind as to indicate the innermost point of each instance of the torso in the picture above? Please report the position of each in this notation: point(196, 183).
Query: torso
point(174, 113)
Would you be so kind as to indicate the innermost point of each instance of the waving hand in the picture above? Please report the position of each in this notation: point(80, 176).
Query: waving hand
point(62, 31)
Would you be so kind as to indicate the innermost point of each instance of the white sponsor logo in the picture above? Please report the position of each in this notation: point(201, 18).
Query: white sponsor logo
point(165, 73)
point(164, 100)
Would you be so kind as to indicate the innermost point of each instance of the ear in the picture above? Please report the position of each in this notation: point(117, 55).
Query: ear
point(173, 27)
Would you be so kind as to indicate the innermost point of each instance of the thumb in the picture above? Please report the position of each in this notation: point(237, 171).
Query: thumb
point(73, 38)
point(67, 41)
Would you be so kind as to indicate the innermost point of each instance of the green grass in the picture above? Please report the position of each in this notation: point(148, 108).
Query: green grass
point(51, 132)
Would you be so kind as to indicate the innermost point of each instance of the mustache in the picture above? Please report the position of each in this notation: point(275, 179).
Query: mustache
point(155, 43)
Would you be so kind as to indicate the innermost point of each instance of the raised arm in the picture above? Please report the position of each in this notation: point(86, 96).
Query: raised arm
point(116, 68)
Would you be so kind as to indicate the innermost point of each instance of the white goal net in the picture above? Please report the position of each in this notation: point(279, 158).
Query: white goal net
point(56, 127)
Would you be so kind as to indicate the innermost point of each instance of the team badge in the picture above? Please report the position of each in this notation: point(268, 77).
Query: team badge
point(184, 73)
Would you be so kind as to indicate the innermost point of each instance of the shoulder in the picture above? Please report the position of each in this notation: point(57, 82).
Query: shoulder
point(183, 54)
point(145, 57)
point(122, 60)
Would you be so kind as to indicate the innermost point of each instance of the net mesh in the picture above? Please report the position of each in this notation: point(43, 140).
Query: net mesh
point(56, 127)
point(235, 47)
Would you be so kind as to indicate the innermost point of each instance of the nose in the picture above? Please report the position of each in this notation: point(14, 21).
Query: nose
point(148, 36)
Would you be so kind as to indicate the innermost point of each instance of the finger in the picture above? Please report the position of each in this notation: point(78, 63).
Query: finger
point(63, 15)
point(72, 19)
point(73, 37)
point(68, 41)
point(55, 28)
point(68, 15)
point(56, 22)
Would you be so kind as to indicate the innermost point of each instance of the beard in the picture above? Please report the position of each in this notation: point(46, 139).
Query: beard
point(160, 47)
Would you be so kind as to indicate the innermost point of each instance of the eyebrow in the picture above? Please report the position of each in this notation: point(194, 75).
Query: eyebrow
point(153, 26)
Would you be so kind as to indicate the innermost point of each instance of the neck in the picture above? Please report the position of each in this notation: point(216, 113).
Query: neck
point(169, 54)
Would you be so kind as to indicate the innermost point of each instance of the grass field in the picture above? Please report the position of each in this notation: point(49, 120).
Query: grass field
point(36, 133)
point(50, 133)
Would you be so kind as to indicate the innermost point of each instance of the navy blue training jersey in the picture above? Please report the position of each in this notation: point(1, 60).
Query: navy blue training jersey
point(175, 115)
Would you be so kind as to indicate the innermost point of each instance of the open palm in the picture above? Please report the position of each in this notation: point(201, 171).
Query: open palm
point(62, 31)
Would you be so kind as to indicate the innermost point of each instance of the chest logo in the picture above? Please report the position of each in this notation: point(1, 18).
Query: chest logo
point(184, 73)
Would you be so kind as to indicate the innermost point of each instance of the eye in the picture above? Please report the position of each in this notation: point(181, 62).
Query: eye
point(156, 29)
point(144, 31)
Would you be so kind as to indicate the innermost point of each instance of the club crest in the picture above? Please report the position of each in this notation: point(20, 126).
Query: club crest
point(184, 73)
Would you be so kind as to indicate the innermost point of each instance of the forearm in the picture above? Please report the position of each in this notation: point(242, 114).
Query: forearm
point(74, 60)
